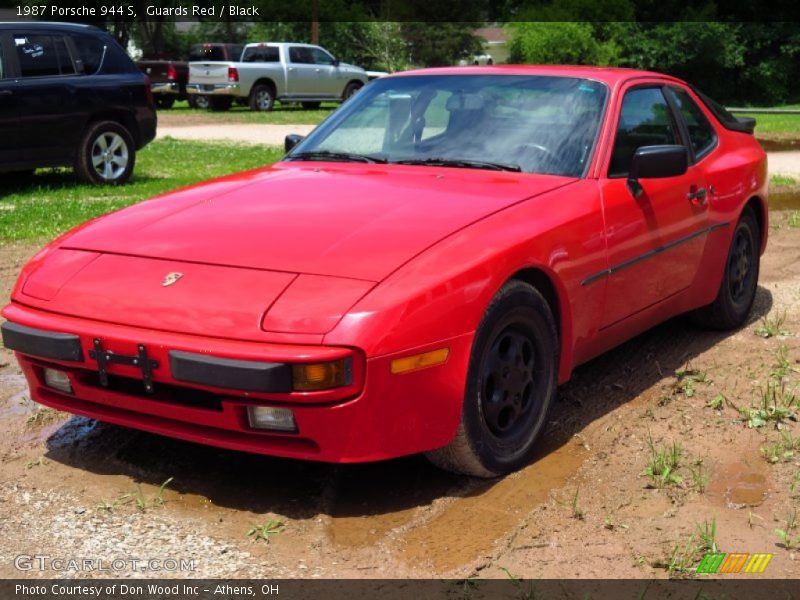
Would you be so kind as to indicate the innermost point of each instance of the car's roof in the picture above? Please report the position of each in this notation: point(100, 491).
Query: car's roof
point(46, 25)
point(609, 75)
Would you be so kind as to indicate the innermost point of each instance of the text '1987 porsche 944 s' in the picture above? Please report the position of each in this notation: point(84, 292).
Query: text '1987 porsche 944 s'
point(417, 275)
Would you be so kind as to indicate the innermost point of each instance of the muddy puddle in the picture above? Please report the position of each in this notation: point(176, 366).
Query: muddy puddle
point(19, 402)
point(785, 199)
point(462, 525)
point(740, 484)
point(779, 145)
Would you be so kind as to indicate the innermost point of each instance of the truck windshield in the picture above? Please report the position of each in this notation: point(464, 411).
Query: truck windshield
point(535, 124)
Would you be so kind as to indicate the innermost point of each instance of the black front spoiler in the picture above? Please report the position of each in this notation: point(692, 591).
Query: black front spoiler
point(248, 375)
point(245, 375)
point(37, 342)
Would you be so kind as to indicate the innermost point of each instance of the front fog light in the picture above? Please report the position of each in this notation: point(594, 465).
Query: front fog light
point(57, 380)
point(266, 417)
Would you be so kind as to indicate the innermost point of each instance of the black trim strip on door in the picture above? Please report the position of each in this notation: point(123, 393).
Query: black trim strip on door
point(637, 259)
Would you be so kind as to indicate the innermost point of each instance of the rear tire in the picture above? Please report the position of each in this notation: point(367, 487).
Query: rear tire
point(737, 291)
point(106, 154)
point(164, 101)
point(219, 104)
point(262, 98)
point(197, 101)
point(511, 384)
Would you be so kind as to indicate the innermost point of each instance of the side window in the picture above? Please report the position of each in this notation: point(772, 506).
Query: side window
point(261, 54)
point(321, 57)
point(701, 133)
point(90, 51)
point(300, 54)
point(644, 120)
point(42, 55)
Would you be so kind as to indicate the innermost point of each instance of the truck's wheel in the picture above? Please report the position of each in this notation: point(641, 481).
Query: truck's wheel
point(197, 101)
point(262, 98)
point(106, 154)
point(350, 90)
point(219, 104)
point(164, 101)
point(511, 383)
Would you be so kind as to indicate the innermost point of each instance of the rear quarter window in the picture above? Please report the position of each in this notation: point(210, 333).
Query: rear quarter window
point(90, 52)
point(116, 60)
point(701, 134)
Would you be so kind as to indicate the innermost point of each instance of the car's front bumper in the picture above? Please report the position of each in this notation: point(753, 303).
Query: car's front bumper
point(217, 89)
point(382, 415)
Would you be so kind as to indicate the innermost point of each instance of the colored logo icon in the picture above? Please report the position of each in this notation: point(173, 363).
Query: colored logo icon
point(721, 562)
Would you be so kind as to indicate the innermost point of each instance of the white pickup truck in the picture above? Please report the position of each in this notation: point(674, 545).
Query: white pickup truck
point(268, 72)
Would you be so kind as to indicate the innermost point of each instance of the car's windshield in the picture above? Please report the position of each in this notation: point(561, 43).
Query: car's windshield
point(536, 124)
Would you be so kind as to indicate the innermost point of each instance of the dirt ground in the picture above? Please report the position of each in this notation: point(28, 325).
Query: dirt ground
point(584, 508)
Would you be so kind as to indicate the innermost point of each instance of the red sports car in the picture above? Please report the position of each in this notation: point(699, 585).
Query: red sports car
point(417, 275)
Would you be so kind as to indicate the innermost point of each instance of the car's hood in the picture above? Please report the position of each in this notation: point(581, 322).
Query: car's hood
point(346, 220)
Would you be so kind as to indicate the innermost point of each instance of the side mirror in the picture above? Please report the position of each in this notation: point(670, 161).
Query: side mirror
point(291, 140)
point(656, 162)
point(335, 62)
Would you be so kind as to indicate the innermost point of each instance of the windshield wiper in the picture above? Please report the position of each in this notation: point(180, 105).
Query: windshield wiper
point(467, 163)
point(337, 156)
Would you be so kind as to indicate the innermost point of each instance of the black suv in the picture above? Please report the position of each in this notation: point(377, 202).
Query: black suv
point(70, 95)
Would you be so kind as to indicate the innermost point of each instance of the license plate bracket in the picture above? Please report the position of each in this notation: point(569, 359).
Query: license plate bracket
point(140, 360)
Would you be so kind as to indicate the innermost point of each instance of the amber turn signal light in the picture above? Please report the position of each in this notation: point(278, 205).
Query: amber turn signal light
point(420, 361)
point(322, 376)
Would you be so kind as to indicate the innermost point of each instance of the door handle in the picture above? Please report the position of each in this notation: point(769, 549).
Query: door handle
point(697, 195)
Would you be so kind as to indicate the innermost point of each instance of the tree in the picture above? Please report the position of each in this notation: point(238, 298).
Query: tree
point(560, 43)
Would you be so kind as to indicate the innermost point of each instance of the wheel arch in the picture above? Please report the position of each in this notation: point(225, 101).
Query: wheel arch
point(761, 211)
point(117, 116)
point(265, 81)
point(549, 286)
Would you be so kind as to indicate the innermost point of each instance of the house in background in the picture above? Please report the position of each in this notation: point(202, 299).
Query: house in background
point(495, 43)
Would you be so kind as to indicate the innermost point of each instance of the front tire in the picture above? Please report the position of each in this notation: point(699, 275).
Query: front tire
point(106, 154)
point(511, 384)
point(262, 98)
point(737, 291)
point(350, 90)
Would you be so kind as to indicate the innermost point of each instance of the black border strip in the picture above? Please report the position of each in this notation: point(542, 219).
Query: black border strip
point(247, 375)
point(41, 343)
point(637, 259)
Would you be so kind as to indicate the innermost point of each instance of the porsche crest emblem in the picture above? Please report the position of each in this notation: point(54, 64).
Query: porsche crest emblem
point(171, 278)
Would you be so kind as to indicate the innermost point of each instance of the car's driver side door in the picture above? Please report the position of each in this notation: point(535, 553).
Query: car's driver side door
point(655, 241)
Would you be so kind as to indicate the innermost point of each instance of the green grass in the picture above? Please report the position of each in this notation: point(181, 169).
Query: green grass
point(282, 114)
point(53, 201)
point(782, 180)
point(775, 123)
